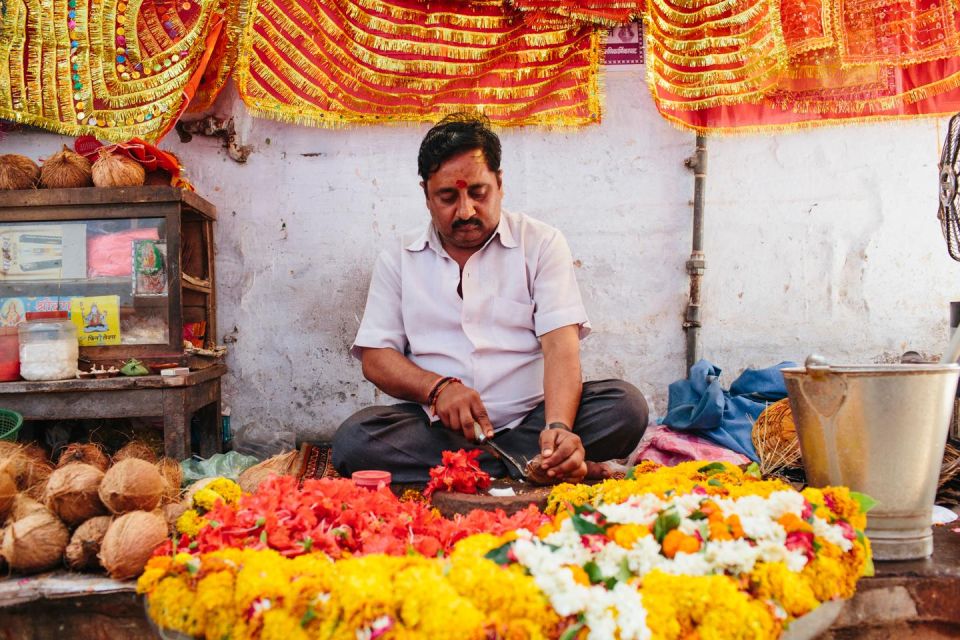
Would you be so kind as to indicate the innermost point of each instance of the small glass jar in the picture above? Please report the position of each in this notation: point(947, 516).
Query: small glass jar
point(49, 348)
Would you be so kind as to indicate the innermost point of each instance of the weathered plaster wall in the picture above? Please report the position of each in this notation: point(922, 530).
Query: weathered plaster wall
point(825, 240)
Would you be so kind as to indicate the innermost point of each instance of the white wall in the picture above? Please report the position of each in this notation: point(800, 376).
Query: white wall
point(817, 241)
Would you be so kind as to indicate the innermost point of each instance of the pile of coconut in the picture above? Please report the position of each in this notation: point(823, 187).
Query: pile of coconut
point(88, 512)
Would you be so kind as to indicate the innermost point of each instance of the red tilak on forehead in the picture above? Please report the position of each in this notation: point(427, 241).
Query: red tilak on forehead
point(461, 184)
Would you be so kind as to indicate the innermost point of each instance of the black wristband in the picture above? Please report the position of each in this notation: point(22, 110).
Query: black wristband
point(559, 425)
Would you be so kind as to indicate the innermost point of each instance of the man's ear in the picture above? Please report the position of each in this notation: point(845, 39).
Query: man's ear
point(423, 185)
point(500, 179)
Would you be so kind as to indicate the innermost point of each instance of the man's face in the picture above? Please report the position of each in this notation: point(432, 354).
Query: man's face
point(464, 197)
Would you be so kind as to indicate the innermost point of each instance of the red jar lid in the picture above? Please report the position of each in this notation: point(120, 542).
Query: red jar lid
point(371, 478)
point(45, 315)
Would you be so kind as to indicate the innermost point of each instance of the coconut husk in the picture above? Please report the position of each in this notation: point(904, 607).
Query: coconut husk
point(66, 169)
point(85, 543)
point(171, 512)
point(35, 543)
point(284, 464)
point(117, 170)
point(23, 506)
point(132, 485)
point(85, 452)
point(27, 465)
point(8, 493)
point(3, 562)
point(136, 449)
point(72, 493)
point(18, 172)
point(172, 476)
point(130, 542)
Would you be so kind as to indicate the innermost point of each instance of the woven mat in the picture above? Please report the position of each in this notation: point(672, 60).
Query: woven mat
point(316, 461)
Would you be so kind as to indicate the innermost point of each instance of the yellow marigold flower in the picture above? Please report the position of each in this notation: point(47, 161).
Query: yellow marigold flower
point(626, 535)
point(227, 489)
point(508, 597)
point(190, 522)
point(147, 582)
point(579, 575)
point(171, 606)
point(710, 606)
point(279, 625)
point(206, 499)
point(477, 545)
point(431, 606)
point(215, 598)
point(762, 488)
point(566, 493)
point(774, 581)
point(828, 578)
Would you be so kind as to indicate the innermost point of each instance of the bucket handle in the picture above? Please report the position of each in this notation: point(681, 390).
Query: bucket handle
point(822, 390)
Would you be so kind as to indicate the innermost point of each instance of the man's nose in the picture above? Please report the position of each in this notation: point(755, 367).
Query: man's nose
point(465, 208)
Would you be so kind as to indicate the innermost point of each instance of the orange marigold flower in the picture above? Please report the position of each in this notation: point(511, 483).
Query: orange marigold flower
point(793, 522)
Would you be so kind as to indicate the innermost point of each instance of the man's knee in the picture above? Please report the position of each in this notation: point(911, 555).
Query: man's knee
point(625, 402)
point(351, 438)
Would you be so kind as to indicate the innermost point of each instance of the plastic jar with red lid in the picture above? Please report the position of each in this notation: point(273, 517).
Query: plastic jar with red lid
point(371, 479)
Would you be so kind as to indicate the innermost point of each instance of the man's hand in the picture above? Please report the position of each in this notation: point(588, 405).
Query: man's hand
point(563, 455)
point(458, 407)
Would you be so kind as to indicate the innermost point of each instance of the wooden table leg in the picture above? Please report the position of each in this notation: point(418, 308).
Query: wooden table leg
point(211, 429)
point(176, 424)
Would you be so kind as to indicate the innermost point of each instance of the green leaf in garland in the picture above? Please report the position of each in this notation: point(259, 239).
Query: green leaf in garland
point(667, 521)
point(631, 474)
point(869, 571)
point(697, 515)
point(585, 527)
point(308, 616)
point(307, 544)
point(712, 468)
point(572, 631)
point(753, 470)
point(500, 555)
point(713, 482)
point(593, 572)
point(263, 537)
point(214, 524)
point(866, 502)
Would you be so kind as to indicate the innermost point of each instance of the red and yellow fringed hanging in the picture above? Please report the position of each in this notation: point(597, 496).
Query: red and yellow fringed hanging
point(754, 65)
point(341, 62)
point(569, 13)
point(115, 69)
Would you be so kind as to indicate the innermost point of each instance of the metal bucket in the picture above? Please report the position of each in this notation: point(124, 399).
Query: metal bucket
point(880, 430)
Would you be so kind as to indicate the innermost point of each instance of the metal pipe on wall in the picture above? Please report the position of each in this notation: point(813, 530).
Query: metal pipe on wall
point(696, 265)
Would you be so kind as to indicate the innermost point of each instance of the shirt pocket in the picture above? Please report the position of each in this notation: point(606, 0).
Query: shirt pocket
point(513, 325)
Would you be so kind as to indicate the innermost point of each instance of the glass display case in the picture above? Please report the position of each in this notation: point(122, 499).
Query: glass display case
point(133, 266)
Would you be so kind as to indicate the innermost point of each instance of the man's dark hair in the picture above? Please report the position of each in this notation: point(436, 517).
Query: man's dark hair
point(456, 134)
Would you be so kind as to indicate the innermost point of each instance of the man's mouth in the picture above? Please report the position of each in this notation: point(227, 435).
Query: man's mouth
point(461, 224)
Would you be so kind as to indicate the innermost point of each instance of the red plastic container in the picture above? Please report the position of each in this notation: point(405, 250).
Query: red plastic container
point(9, 354)
point(371, 479)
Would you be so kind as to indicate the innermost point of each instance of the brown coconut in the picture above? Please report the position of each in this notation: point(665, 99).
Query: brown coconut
point(117, 170)
point(85, 543)
point(8, 493)
point(3, 562)
point(23, 506)
point(73, 493)
point(136, 449)
point(18, 172)
point(172, 476)
point(27, 465)
point(130, 542)
point(85, 452)
point(35, 543)
point(132, 485)
point(65, 170)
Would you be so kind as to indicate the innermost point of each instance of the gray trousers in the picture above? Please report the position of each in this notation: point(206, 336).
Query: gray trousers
point(398, 438)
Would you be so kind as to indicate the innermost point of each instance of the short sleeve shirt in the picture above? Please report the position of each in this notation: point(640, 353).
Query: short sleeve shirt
point(520, 285)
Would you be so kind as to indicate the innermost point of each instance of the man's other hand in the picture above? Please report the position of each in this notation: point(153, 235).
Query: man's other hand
point(458, 407)
point(563, 455)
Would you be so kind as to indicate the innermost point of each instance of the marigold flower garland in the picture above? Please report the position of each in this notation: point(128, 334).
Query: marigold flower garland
point(698, 550)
